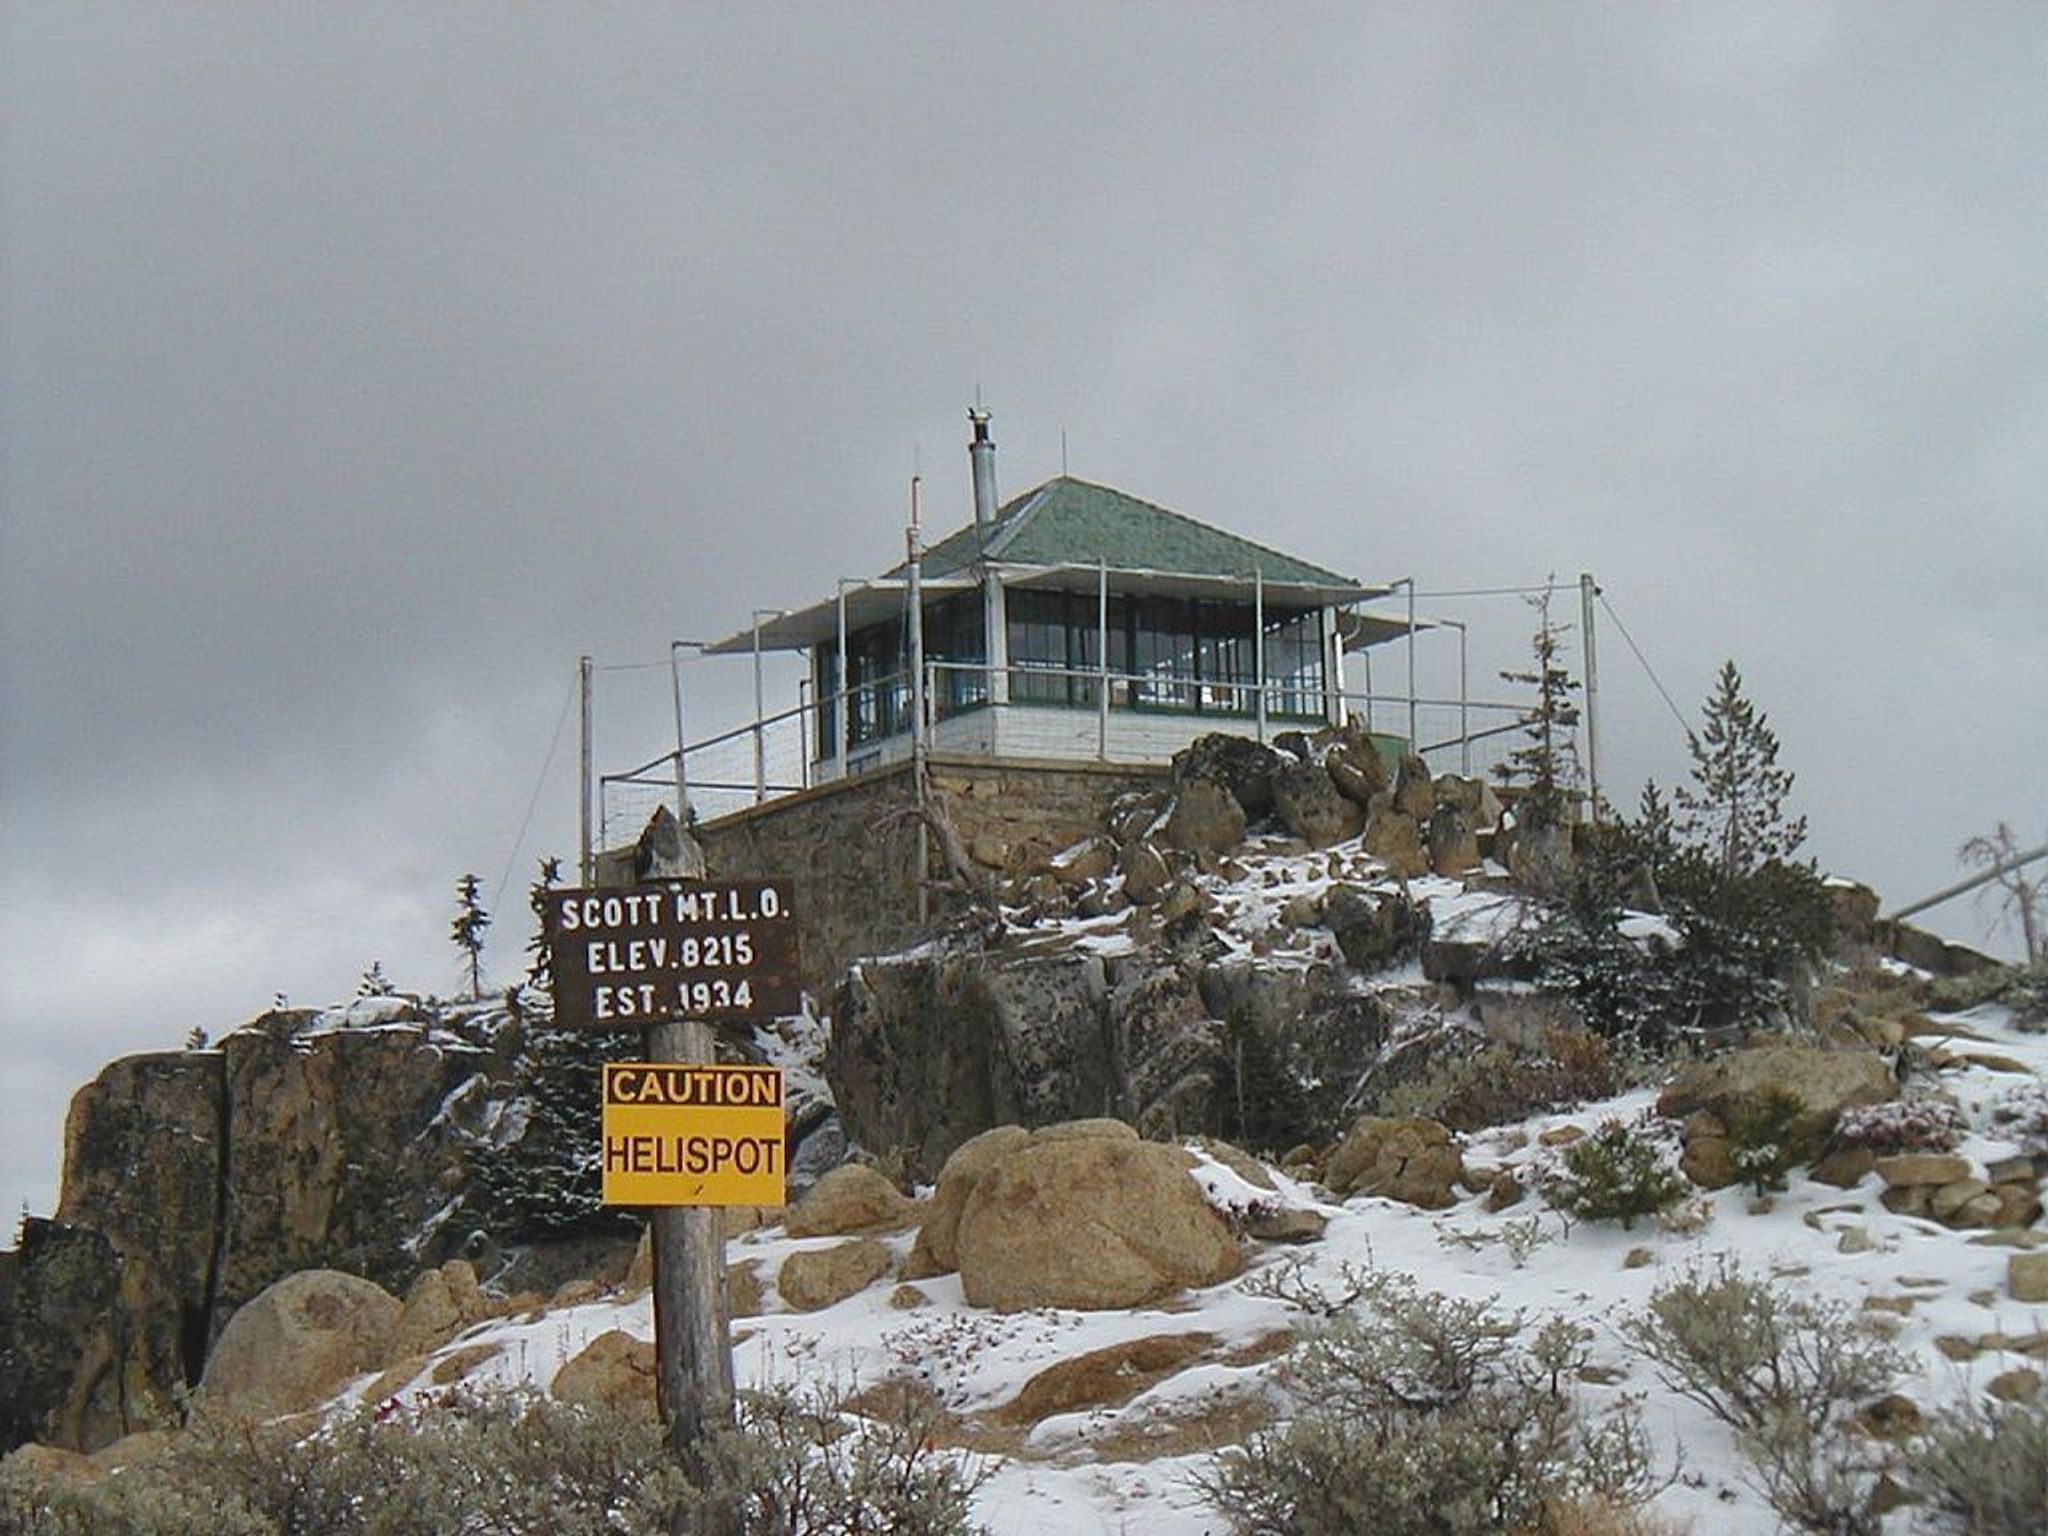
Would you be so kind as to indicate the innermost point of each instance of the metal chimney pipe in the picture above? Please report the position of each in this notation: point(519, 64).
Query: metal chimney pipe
point(981, 453)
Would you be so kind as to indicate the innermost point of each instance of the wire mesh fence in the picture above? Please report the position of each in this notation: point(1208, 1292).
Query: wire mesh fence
point(1428, 707)
point(1149, 714)
point(788, 752)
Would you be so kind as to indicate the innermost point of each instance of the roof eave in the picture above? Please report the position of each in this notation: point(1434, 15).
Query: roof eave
point(1337, 592)
point(867, 602)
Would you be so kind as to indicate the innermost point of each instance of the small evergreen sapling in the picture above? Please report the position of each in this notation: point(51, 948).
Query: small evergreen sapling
point(1615, 1174)
point(547, 1181)
point(1735, 810)
point(1257, 1100)
point(467, 931)
point(1545, 766)
point(539, 965)
point(1718, 867)
point(1767, 1138)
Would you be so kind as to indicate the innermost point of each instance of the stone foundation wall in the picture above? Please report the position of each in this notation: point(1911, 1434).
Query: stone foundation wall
point(852, 847)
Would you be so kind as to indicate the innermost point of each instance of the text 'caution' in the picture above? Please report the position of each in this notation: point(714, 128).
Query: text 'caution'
point(677, 1134)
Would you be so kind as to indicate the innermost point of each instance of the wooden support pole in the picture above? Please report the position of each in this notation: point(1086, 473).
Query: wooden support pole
point(692, 1323)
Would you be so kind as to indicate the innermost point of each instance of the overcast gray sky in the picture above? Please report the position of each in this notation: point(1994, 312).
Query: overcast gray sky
point(365, 365)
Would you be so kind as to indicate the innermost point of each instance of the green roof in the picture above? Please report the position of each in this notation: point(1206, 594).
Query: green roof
point(1073, 522)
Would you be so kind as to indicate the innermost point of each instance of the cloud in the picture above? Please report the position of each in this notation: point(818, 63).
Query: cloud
point(364, 368)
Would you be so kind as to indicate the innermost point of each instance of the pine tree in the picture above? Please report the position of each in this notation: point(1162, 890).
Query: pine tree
point(1257, 1101)
point(1654, 833)
point(468, 930)
point(1734, 812)
point(539, 969)
point(1546, 766)
point(374, 982)
point(548, 1181)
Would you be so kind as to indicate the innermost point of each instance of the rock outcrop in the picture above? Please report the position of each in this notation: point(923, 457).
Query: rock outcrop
point(932, 1048)
point(440, 1304)
point(296, 1342)
point(1414, 1161)
point(851, 1198)
point(1205, 818)
point(1825, 1081)
point(1090, 1218)
point(614, 1370)
point(1309, 805)
point(195, 1179)
point(937, 1249)
point(1239, 766)
point(817, 1278)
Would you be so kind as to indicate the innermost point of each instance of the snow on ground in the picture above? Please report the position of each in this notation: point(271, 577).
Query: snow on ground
point(1087, 1472)
point(1249, 897)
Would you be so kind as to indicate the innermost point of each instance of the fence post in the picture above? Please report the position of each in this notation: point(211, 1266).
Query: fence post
point(586, 863)
point(675, 681)
point(1259, 645)
point(1102, 659)
point(842, 720)
point(760, 709)
point(1464, 709)
point(913, 539)
point(1587, 592)
point(1412, 742)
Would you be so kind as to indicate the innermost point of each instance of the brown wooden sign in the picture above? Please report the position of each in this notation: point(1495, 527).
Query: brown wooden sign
point(689, 949)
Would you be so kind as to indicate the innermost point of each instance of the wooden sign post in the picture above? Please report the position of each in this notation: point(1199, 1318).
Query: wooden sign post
point(671, 958)
point(692, 1319)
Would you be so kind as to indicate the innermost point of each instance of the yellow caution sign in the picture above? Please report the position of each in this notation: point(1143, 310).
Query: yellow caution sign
point(677, 1133)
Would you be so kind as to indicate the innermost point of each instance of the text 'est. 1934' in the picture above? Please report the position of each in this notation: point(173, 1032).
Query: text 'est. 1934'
point(678, 1133)
point(695, 949)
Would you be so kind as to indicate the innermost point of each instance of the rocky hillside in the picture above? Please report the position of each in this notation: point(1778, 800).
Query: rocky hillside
point(1090, 1321)
point(359, 1138)
point(1276, 948)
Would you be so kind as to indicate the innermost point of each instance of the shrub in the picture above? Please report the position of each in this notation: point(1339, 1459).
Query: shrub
point(492, 1462)
point(1919, 1123)
point(1592, 1515)
point(798, 1465)
point(1784, 1373)
point(1616, 1174)
point(1984, 1471)
point(2022, 1114)
point(489, 1463)
point(1424, 1417)
point(127, 1504)
point(512, 1463)
point(1766, 1140)
point(1500, 1085)
point(2022, 988)
point(1463, 1089)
